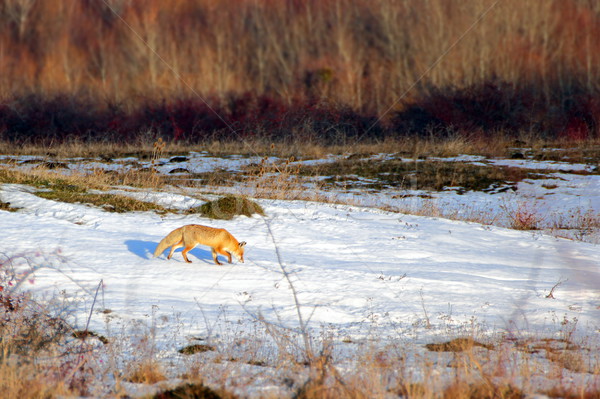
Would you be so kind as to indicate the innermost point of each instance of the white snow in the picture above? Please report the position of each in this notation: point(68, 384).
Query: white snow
point(348, 264)
point(544, 165)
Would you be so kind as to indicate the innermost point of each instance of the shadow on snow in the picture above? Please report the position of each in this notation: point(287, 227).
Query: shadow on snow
point(145, 250)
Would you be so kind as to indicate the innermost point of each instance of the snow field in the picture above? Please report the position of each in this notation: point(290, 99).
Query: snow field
point(351, 267)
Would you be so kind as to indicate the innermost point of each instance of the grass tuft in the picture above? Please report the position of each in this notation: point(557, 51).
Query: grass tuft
point(147, 372)
point(227, 207)
point(481, 390)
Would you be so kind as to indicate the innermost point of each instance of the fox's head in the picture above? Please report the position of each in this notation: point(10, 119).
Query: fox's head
point(239, 251)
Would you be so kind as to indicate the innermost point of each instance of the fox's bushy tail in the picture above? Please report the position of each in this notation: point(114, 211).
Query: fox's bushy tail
point(172, 238)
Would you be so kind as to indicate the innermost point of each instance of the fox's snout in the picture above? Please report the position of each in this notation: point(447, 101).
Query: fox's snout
point(240, 257)
point(240, 254)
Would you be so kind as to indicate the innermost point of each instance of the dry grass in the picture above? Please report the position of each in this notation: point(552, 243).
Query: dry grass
point(581, 224)
point(481, 390)
point(498, 145)
point(278, 180)
point(44, 175)
point(467, 370)
point(145, 372)
point(375, 372)
point(36, 358)
point(587, 152)
point(522, 215)
point(29, 382)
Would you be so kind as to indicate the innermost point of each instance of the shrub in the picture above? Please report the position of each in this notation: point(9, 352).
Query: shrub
point(480, 109)
point(497, 106)
point(37, 360)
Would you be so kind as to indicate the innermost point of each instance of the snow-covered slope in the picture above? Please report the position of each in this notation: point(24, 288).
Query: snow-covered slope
point(354, 269)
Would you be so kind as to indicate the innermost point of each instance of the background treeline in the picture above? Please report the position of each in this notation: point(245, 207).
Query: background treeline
point(118, 69)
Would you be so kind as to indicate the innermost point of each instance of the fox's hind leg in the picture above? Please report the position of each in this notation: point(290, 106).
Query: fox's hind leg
point(174, 247)
point(185, 251)
point(214, 254)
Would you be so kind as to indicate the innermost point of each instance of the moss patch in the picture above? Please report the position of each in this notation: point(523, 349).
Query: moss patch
point(63, 191)
point(227, 207)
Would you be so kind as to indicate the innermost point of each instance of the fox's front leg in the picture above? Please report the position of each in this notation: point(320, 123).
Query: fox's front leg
point(227, 254)
point(214, 254)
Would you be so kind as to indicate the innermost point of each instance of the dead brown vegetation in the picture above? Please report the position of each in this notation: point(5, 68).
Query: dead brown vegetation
point(362, 53)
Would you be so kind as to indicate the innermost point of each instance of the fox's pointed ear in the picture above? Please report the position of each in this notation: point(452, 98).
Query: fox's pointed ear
point(242, 244)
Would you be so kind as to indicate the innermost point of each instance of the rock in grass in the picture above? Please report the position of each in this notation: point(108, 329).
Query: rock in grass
point(229, 206)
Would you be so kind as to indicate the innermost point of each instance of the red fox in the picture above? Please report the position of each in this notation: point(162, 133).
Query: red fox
point(188, 236)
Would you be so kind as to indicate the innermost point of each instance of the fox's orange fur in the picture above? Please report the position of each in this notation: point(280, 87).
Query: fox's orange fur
point(188, 236)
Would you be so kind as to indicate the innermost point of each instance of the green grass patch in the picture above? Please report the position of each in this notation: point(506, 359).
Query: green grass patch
point(227, 207)
point(72, 191)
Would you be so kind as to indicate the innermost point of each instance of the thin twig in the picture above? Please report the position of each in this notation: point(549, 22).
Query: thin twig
point(551, 294)
point(82, 358)
point(428, 325)
point(303, 329)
